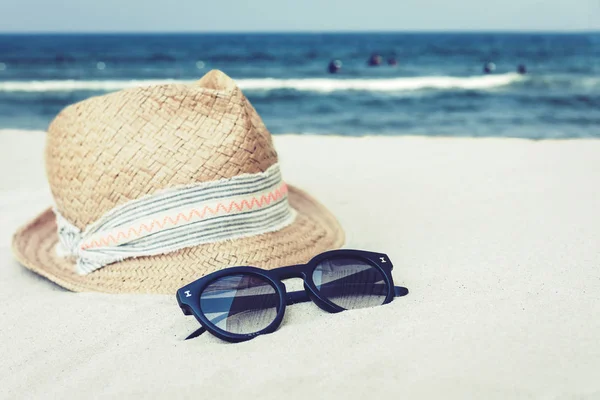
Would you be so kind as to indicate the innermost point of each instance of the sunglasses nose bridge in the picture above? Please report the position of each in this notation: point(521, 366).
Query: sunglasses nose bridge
point(294, 271)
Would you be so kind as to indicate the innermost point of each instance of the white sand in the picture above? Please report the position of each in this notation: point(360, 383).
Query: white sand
point(498, 241)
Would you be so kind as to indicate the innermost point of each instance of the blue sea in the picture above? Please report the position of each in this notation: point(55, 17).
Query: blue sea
point(437, 87)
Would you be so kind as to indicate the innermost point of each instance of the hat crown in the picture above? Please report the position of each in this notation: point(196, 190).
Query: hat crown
point(111, 149)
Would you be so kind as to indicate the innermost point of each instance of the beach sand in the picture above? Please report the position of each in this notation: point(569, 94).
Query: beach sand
point(498, 241)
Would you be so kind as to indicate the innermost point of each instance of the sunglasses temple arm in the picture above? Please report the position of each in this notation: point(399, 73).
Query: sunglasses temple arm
point(400, 291)
point(297, 297)
point(301, 296)
point(196, 333)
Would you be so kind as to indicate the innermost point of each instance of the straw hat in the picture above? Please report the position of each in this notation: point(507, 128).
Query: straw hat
point(113, 153)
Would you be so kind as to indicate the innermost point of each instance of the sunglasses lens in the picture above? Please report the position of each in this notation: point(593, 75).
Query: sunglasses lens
point(240, 304)
point(350, 283)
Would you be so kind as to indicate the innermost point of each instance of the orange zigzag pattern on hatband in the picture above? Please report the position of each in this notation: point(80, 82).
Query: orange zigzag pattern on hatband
point(192, 214)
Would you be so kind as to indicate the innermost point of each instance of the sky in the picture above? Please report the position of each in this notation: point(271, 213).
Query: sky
point(297, 15)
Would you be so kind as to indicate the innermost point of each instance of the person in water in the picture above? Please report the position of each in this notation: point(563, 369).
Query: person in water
point(334, 66)
point(489, 67)
point(522, 69)
point(375, 60)
point(392, 61)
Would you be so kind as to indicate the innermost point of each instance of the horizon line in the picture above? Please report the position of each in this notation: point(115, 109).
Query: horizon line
point(315, 32)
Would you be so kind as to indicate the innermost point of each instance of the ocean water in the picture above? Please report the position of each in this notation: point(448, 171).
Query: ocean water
point(437, 87)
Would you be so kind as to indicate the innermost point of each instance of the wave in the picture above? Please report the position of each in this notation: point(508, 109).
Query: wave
point(266, 84)
point(383, 85)
point(74, 85)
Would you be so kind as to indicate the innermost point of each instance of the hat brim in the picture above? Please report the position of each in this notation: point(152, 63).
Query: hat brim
point(313, 231)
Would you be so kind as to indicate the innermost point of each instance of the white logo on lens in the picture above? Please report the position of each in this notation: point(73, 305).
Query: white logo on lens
point(187, 293)
point(382, 259)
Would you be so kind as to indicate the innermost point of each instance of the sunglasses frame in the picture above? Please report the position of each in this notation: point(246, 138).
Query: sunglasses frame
point(188, 296)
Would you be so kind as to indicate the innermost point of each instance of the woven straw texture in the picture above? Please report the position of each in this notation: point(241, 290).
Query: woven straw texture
point(107, 150)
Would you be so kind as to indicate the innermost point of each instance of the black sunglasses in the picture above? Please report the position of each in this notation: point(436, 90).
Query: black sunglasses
point(240, 303)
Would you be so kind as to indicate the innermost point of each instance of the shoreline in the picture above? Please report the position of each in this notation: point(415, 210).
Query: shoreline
point(12, 131)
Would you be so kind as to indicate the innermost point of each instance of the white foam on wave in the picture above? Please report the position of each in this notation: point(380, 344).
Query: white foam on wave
point(313, 85)
point(382, 85)
point(74, 85)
